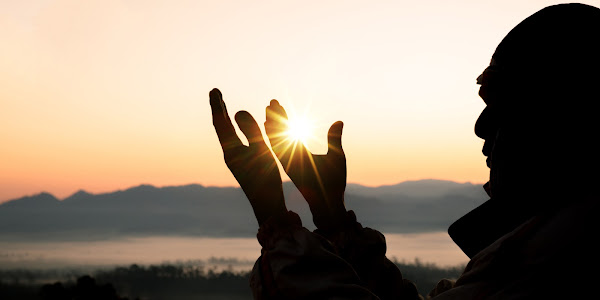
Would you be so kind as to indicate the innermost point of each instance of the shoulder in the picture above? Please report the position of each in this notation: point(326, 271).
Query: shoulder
point(548, 254)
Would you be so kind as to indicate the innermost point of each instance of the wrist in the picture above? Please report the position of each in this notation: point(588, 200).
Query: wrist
point(344, 224)
point(266, 207)
point(277, 225)
point(335, 222)
point(329, 212)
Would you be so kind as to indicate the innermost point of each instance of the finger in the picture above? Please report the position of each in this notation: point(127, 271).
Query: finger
point(334, 137)
point(250, 128)
point(279, 109)
point(277, 118)
point(276, 123)
point(223, 126)
point(276, 127)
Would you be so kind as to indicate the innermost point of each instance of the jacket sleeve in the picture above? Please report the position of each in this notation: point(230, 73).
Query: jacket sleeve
point(298, 264)
point(364, 248)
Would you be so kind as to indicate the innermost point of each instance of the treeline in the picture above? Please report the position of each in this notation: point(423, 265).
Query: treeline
point(172, 282)
point(155, 282)
point(85, 287)
point(427, 275)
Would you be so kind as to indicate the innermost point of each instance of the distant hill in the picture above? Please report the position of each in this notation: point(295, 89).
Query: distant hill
point(195, 210)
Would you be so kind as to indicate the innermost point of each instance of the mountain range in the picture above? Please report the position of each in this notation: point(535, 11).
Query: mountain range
point(196, 210)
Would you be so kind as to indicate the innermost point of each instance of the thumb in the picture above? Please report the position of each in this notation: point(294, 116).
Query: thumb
point(334, 137)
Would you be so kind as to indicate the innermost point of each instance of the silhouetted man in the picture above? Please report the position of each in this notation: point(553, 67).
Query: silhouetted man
point(534, 238)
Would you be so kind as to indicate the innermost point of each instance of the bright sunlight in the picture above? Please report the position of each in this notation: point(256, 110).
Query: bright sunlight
point(300, 129)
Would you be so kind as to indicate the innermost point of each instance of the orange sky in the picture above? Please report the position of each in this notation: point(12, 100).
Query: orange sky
point(105, 95)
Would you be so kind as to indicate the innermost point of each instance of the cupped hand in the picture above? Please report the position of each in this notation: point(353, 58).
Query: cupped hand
point(320, 178)
point(253, 166)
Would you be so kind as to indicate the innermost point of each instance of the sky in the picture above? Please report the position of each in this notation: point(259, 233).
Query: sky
point(106, 95)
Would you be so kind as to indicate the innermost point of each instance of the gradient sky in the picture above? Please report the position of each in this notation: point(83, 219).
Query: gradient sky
point(105, 95)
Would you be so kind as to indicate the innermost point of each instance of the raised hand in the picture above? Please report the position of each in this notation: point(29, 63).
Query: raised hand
point(253, 166)
point(320, 178)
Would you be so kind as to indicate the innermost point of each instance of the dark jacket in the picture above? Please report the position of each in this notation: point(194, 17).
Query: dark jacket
point(551, 255)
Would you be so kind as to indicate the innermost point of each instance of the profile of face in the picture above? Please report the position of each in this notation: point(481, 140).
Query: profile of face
point(500, 149)
point(513, 155)
point(488, 123)
point(540, 91)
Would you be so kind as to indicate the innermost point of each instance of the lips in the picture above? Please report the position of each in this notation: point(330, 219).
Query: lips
point(487, 151)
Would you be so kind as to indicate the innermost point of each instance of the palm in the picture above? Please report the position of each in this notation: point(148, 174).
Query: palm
point(320, 178)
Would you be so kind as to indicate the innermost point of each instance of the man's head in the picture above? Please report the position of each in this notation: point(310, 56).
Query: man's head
point(542, 90)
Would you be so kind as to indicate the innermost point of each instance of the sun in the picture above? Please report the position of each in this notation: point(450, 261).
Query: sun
point(300, 128)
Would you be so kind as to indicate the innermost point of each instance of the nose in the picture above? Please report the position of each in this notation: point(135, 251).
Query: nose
point(480, 78)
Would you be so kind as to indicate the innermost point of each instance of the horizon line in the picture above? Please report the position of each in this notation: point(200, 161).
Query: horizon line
point(2, 201)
